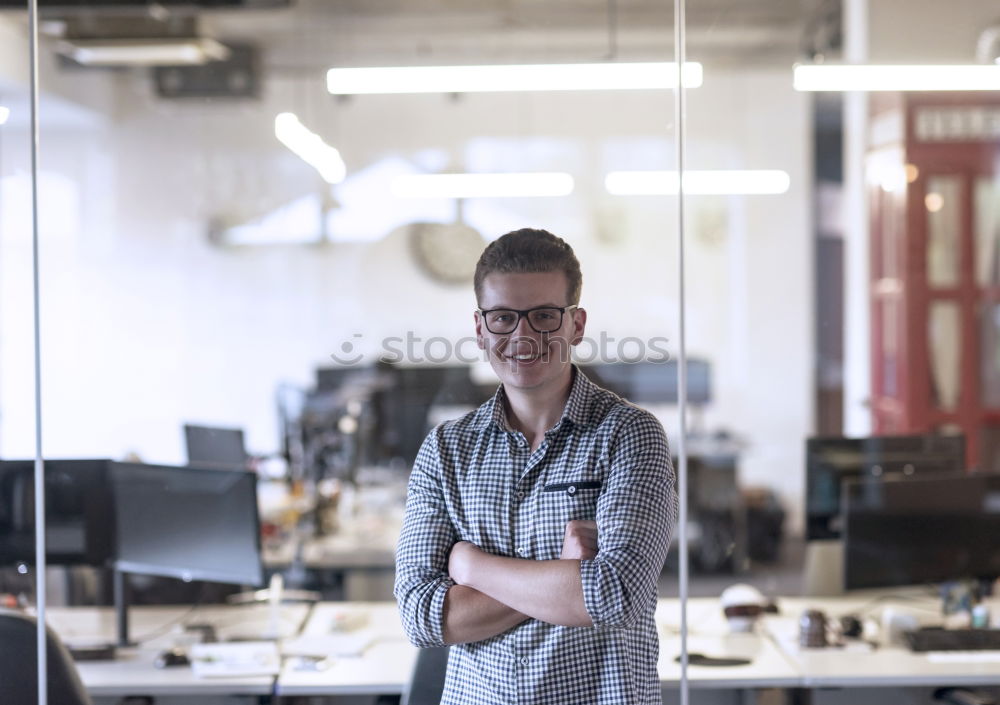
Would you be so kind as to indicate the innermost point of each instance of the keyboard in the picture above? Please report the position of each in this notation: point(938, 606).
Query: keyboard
point(937, 639)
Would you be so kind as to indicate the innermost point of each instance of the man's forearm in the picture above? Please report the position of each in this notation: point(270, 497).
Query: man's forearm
point(470, 615)
point(550, 591)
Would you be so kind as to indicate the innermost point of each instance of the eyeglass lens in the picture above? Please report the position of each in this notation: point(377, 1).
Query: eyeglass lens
point(542, 320)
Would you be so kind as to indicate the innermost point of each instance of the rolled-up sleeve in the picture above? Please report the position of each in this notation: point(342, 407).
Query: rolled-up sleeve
point(636, 515)
point(422, 551)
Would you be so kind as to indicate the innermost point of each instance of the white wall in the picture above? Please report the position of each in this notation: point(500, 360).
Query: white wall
point(903, 31)
point(148, 325)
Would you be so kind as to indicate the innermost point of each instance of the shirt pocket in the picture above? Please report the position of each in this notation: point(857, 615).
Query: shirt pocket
point(561, 503)
point(570, 489)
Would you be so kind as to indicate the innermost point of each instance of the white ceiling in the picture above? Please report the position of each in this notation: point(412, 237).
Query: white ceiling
point(316, 34)
point(427, 31)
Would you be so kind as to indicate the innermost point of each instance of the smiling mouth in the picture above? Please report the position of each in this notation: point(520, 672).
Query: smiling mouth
point(523, 358)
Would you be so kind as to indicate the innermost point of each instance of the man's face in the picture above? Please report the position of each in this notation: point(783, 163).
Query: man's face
point(525, 358)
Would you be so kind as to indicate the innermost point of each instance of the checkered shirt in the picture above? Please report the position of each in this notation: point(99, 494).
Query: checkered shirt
point(477, 480)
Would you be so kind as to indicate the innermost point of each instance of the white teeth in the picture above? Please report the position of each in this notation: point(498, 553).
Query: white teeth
point(524, 357)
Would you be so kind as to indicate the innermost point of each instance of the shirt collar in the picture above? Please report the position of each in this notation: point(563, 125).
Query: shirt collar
point(576, 410)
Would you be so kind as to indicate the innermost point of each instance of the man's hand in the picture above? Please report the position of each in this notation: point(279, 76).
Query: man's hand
point(460, 561)
point(580, 540)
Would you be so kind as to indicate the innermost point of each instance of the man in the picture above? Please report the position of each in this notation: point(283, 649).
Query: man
point(536, 526)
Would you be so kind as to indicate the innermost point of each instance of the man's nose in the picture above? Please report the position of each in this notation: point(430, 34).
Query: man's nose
point(523, 328)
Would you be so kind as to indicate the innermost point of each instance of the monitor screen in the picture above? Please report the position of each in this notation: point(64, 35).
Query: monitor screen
point(188, 523)
point(79, 521)
point(829, 461)
point(210, 447)
point(904, 531)
point(652, 382)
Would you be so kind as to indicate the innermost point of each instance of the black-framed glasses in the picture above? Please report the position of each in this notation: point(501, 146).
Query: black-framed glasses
point(542, 319)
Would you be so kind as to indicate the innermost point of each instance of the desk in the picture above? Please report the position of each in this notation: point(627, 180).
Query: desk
point(383, 668)
point(887, 666)
point(133, 672)
point(708, 633)
point(384, 663)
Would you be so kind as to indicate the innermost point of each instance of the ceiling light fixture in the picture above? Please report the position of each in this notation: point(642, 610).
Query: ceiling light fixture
point(310, 147)
point(482, 185)
point(520, 77)
point(859, 77)
point(4, 114)
point(726, 182)
point(143, 52)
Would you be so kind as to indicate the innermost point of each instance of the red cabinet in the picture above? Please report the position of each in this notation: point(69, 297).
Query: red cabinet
point(933, 177)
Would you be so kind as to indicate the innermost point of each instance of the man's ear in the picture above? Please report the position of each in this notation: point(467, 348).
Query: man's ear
point(479, 330)
point(579, 325)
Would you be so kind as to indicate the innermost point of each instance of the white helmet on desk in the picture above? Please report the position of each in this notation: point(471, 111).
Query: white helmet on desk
point(742, 604)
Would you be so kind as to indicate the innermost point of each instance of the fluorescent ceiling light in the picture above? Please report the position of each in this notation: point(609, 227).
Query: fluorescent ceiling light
point(698, 183)
point(521, 77)
point(143, 52)
point(482, 185)
point(829, 77)
point(4, 114)
point(310, 147)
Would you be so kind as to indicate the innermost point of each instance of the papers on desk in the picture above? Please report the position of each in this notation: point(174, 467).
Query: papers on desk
point(238, 659)
point(334, 644)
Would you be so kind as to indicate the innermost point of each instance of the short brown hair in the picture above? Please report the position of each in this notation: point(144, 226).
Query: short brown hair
point(530, 250)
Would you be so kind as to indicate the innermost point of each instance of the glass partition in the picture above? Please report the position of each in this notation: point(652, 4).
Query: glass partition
point(17, 398)
point(254, 265)
point(245, 260)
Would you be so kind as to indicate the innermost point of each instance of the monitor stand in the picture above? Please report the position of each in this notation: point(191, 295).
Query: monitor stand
point(121, 608)
point(107, 651)
point(823, 573)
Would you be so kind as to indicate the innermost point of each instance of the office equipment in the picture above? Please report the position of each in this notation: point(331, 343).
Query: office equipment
point(858, 667)
point(187, 523)
point(649, 382)
point(405, 406)
point(936, 639)
point(211, 447)
point(830, 461)
point(248, 658)
point(332, 379)
point(168, 658)
point(698, 659)
point(921, 530)
point(78, 519)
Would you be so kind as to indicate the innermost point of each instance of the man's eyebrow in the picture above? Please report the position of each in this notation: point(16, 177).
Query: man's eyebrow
point(514, 308)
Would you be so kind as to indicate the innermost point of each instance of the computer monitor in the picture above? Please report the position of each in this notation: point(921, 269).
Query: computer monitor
point(79, 522)
point(187, 522)
point(903, 531)
point(652, 382)
point(404, 408)
point(830, 461)
point(211, 447)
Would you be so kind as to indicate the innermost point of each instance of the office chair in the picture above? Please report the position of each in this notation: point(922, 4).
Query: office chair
point(427, 680)
point(19, 665)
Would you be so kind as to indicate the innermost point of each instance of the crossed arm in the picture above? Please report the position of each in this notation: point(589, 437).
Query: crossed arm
point(493, 593)
point(451, 592)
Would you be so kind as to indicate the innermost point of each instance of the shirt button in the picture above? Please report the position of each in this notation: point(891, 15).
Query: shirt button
point(520, 551)
point(571, 490)
point(524, 661)
point(520, 495)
